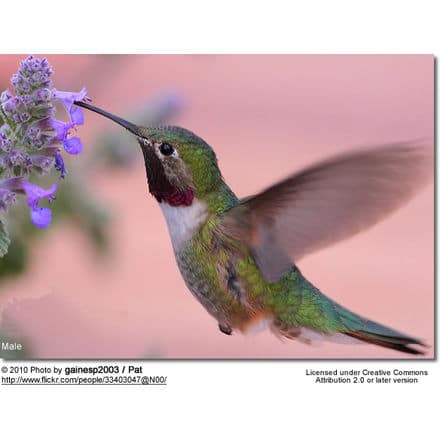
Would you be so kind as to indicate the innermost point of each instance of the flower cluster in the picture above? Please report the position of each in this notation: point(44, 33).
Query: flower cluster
point(31, 139)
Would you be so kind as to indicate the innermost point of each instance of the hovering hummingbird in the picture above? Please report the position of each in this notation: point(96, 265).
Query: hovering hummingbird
point(238, 257)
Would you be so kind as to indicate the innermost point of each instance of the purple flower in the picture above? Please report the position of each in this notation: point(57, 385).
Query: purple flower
point(6, 143)
point(5, 96)
point(43, 95)
point(33, 73)
point(17, 160)
point(43, 164)
point(41, 217)
point(67, 99)
point(71, 145)
point(32, 108)
point(59, 165)
point(10, 106)
point(30, 136)
point(77, 115)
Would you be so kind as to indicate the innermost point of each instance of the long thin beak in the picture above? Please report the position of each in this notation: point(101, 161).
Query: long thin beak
point(128, 125)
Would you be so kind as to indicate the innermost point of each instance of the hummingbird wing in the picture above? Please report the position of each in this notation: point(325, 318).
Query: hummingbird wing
point(327, 202)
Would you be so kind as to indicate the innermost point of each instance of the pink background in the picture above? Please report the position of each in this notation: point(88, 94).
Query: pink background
point(265, 116)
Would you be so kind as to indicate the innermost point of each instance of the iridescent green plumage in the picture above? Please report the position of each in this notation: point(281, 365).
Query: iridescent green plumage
point(291, 304)
point(237, 257)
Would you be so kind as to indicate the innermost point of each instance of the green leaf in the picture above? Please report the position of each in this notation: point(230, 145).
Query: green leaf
point(15, 262)
point(4, 239)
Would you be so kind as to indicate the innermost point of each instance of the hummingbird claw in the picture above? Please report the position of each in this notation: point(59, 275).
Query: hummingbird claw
point(226, 329)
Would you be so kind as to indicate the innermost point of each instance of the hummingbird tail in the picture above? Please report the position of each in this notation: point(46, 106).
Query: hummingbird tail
point(374, 333)
point(394, 342)
point(320, 318)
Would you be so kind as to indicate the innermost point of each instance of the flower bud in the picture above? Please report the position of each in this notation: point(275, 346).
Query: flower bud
point(43, 164)
point(7, 198)
point(42, 95)
point(10, 106)
point(26, 100)
point(24, 117)
point(5, 96)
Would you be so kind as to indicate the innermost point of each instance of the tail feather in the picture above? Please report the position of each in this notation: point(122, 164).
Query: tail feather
point(342, 322)
point(397, 342)
point(374, 333)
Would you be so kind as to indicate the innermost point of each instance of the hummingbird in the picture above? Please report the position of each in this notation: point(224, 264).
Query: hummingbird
point(239, 257)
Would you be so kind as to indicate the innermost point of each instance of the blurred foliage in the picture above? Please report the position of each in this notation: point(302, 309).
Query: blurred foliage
point(4, 239)
point(16, 260)
point(75, 200)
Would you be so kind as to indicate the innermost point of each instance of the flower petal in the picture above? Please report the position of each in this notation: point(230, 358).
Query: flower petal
point(41, 217)
point(77, 115)
point(59, 165)
point(61, 128)
point(67, 98)
point(73, 145)
point(34, 193)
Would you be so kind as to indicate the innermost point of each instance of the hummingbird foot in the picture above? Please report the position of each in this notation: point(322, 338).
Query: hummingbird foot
point(225, 328)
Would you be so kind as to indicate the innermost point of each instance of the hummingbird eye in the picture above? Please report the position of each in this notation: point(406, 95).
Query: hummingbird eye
point(166, 149)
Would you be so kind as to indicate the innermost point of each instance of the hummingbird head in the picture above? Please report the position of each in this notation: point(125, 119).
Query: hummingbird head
point(179, 164)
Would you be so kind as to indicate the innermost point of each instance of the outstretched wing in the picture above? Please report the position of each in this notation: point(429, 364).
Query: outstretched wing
point(327, 202)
